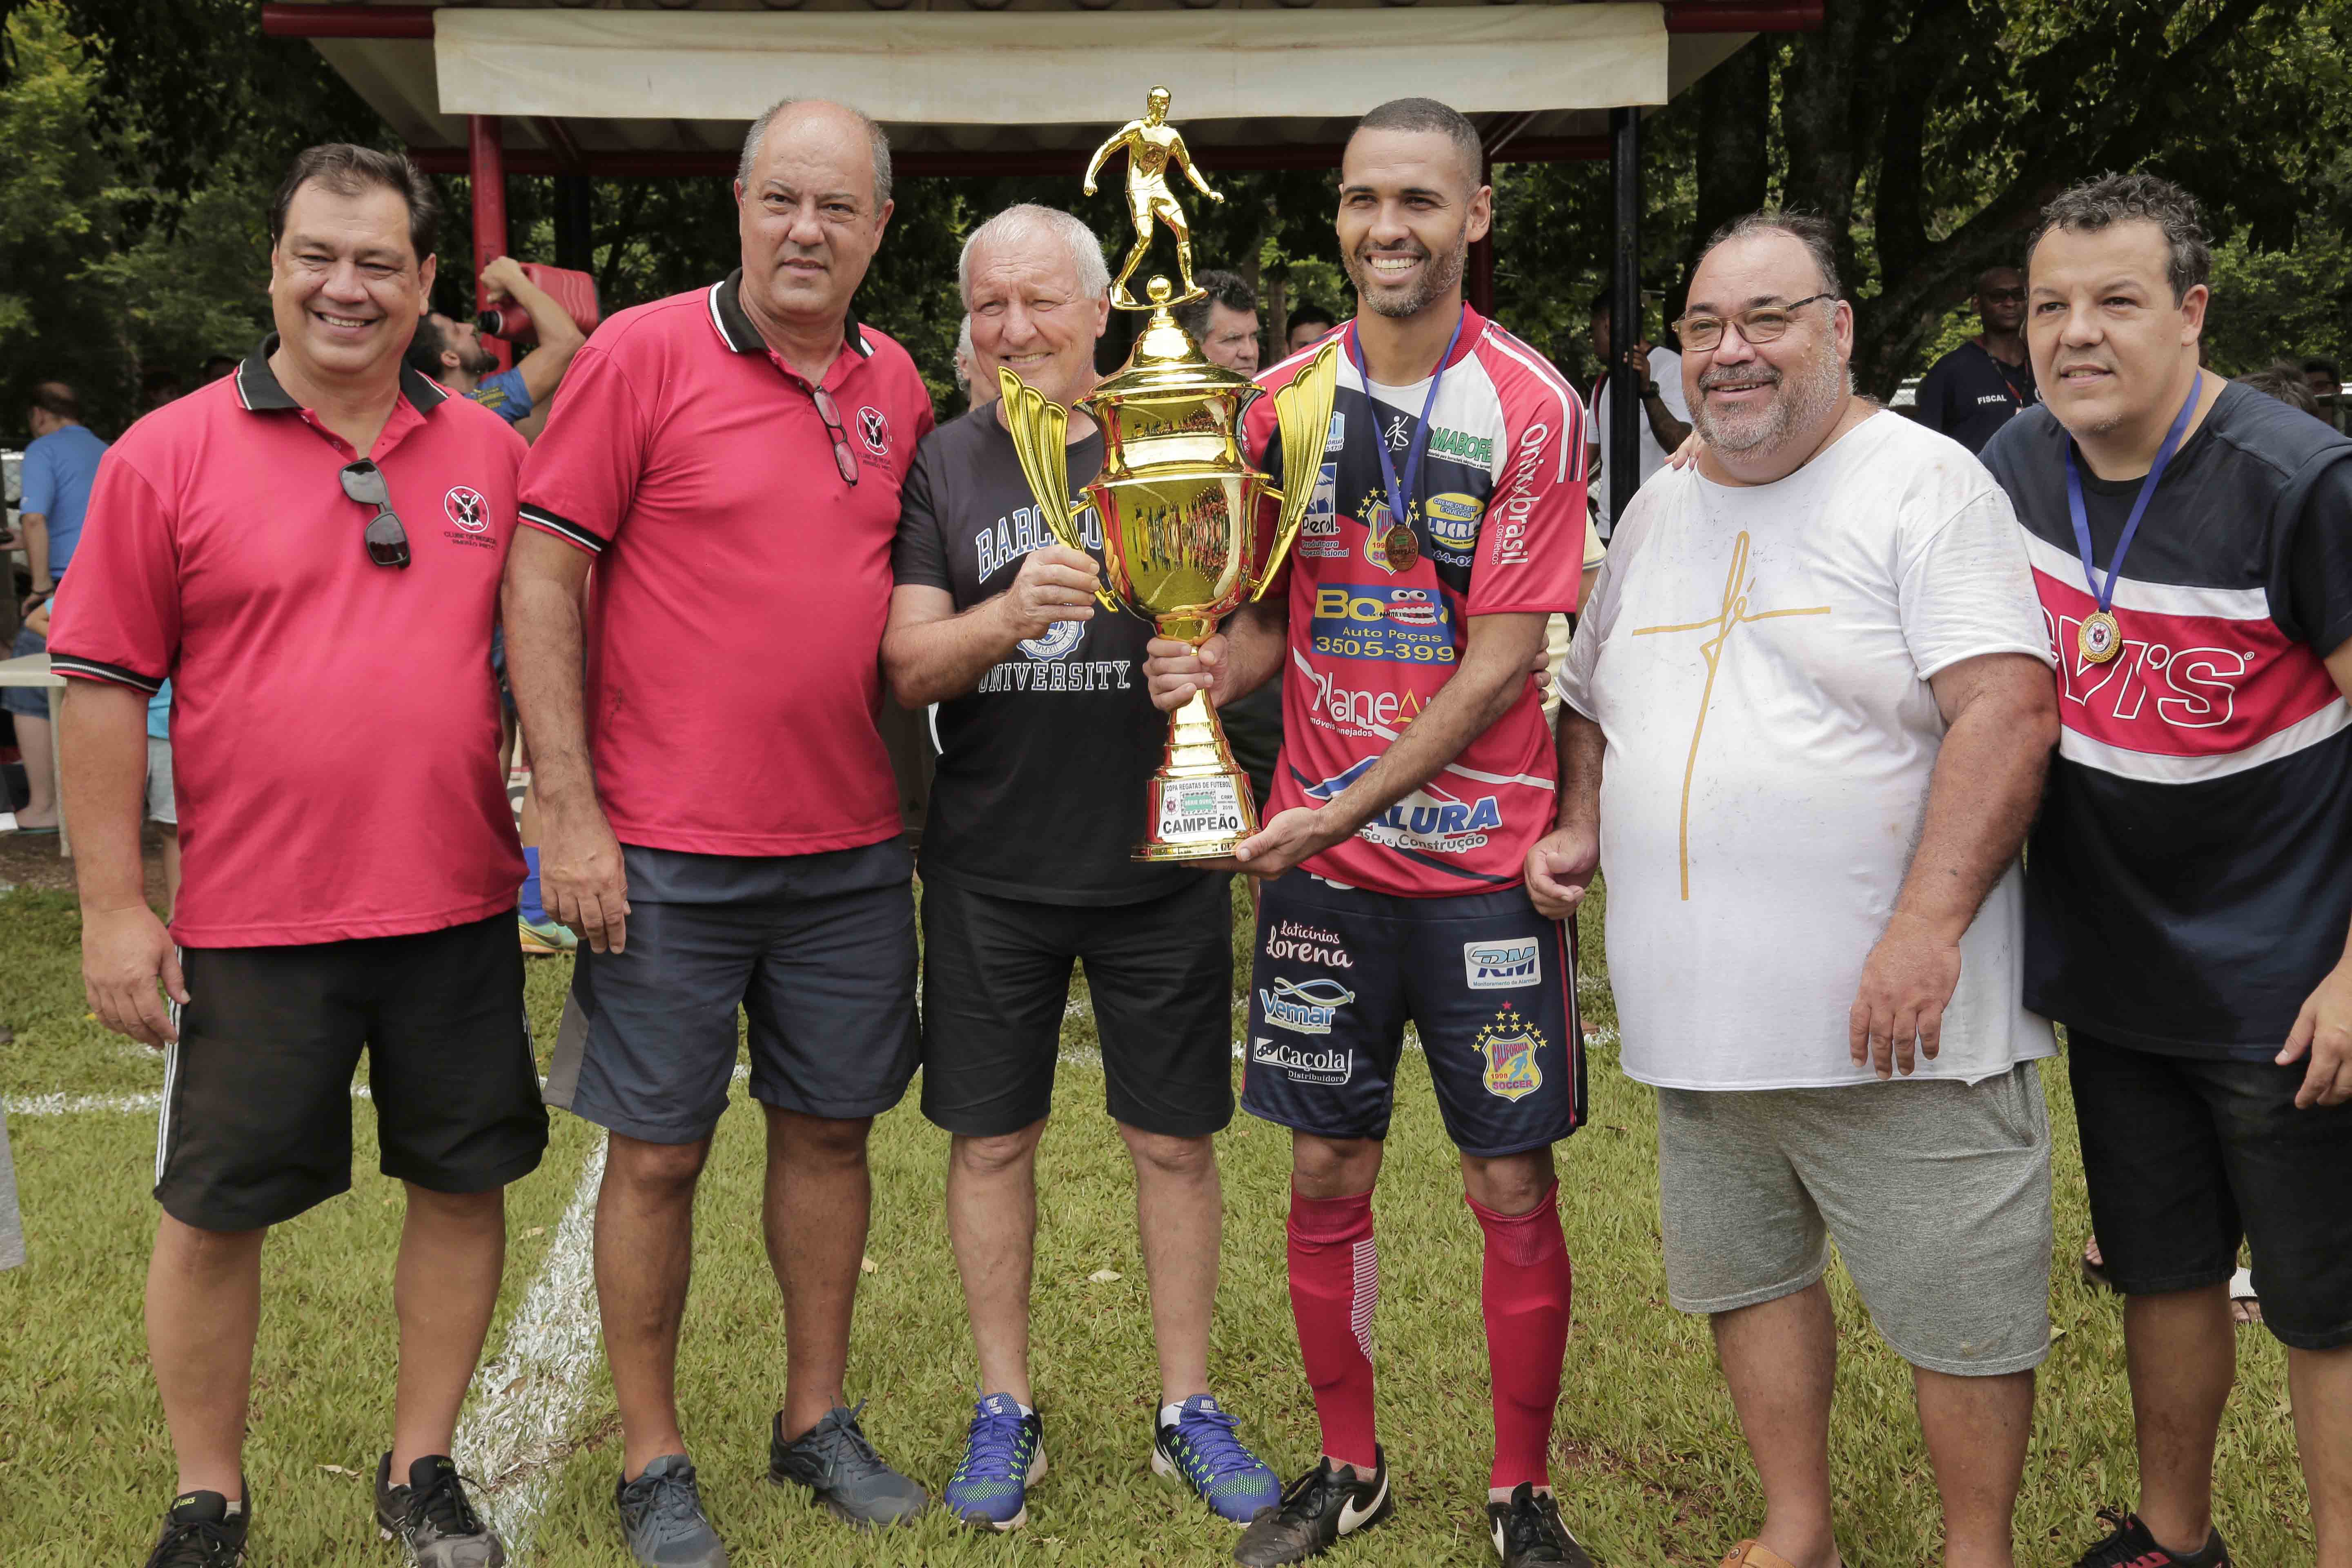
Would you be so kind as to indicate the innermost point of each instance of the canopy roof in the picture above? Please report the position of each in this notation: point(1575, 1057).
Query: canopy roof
point(659, 86)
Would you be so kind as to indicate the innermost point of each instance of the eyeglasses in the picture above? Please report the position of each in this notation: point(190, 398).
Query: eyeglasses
point(843, 458)
point(387, 542)
point(1761, 325)
point(2006, 296)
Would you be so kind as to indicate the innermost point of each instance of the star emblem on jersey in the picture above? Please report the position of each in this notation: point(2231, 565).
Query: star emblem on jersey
point(874, 430)
point(465, 507)
point(1510, 1044)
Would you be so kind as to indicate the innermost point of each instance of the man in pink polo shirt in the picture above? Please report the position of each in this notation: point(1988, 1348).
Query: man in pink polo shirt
point(719, 820)
point(315, 539)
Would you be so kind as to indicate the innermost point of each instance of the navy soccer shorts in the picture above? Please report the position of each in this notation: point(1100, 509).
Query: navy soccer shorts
point(1488, 984)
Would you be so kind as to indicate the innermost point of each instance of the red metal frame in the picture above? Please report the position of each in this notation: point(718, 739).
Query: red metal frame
point(486, 163)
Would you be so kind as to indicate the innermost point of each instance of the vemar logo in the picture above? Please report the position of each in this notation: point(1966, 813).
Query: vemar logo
point(1328, 1066)
point(1502, 965)
point(1379, 621)
point(1303, 1009)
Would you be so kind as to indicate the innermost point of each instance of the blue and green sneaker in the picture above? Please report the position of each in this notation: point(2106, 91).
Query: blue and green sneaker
point(1003, 1456)
point(1199, 1448)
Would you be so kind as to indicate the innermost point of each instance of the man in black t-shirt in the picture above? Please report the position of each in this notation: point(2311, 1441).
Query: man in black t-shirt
point(1047, 736)
point(1981, 385)
point(2188, 884)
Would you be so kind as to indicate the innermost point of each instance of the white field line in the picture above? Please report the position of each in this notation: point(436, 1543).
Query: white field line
point(78, 1104)
point(524, 1403)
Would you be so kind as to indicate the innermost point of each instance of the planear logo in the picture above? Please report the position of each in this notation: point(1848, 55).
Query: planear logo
point(1502, 965)
point(465, 507)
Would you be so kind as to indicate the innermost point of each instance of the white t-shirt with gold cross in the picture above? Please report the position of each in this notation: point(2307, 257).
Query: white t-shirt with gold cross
point(1759, 659)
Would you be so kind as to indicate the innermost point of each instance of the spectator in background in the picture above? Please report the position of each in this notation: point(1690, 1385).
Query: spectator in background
point(452, 351)
point(158, 387)
point(2285, 381)
point(979, 390)
point(2326, 386)
point(1665, 416)
point(1308, 324)
point(59, 464)
point(1223, 321)
point(217, 366)
point(1985, 382)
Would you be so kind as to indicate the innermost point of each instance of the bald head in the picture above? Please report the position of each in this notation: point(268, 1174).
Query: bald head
point(832, 127)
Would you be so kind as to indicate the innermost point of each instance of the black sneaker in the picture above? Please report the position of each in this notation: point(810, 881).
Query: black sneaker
point(834, 1460)
point(202, 1531)
point(1319, 1508)
point(2131, 1546)
point(431, 1518)
point(662, 1518)
point(1527, 1529)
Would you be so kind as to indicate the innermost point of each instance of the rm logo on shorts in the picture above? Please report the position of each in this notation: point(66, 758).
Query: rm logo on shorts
point(1502, 965)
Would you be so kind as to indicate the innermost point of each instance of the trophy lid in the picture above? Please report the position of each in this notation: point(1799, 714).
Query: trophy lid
point(1165, 362)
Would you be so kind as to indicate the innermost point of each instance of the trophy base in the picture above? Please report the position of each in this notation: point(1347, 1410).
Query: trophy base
point(1200, 818)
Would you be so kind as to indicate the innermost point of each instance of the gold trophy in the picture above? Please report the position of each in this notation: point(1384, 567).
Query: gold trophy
point(1178, 499)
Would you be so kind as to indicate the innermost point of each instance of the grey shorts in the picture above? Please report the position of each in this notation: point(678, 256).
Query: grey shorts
point(1937, 1193)
point(159, 805)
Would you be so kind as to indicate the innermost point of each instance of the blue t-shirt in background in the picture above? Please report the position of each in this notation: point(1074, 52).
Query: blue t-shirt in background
point(159, 713)
point(59, 469)
point(504, 395)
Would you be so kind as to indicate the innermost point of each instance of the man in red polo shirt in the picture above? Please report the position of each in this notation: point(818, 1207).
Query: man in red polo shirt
point(316, 537)
point(720, 823)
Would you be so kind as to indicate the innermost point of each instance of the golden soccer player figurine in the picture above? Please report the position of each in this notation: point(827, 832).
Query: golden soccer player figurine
point(1153, 148)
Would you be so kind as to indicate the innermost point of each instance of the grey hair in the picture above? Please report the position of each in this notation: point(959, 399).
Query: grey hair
point(1813, 233)
point(1230, 290)
point(874, 136)
point(1419, 114)
point(963, 355)
point(2136, 198)
point(1027, 219)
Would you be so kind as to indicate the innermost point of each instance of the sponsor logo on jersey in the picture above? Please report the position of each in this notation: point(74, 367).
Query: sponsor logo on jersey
point(1427, 820)
point(1453, 520)
point(1298, 942)
point(1305, 1008)
point(1329, 1065)
point(1337, 441)
point(1512, 1046)
point(1510, 539)
point(1471, 451)
point(1400, 432)
point(1059, 640)
point(1377, 621)
point(1502, 965)
point(1362, 713)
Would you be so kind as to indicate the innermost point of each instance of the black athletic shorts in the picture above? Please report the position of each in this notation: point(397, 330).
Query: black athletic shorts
point(816, 950)
point(997, 985)
point(1489, 984)
point(2187, 1157)
point(256, 1119)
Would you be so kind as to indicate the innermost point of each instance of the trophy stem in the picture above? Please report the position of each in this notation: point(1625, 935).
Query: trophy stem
point(1199, 806)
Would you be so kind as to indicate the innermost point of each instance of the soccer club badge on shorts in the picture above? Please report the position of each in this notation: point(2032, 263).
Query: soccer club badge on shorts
point(1510, 1044)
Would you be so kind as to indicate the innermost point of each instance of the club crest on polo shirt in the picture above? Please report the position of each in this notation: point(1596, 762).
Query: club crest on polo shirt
point(1511, 1045)
point(1328, 1065)
point(1303, 1007)
point(468, 513)
point(874, 430)
point(1502, 965)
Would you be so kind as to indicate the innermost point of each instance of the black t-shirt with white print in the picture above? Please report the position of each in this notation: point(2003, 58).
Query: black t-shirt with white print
point(1042, 773)
point(2190, 879)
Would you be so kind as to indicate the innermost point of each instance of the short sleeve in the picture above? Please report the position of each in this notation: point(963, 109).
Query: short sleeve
point(40, 478)
point(581, 475)
point(1967, 589)
point(506, 395)
point(918, 555)
point(2319, 562)
point(1574, 676)
point(1531, 547)
point(117, 613)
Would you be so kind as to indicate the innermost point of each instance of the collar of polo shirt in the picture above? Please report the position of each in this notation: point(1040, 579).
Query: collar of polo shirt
point(259, 390)
point(735, 329)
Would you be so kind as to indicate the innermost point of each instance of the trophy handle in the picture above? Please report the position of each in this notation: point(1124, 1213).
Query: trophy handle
point(1302, 411)
point(1065, 524)
point(1040, 427)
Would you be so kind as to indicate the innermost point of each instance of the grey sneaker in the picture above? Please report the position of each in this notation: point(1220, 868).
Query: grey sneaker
point(661, 1515)
point(431, 1518)
point(834, 1460)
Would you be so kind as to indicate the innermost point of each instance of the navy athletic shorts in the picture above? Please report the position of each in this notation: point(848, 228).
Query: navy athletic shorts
point(1488, 984)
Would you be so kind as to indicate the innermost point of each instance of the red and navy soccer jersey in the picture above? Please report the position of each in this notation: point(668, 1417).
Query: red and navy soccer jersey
point(1499, 522)
point(2190, 879)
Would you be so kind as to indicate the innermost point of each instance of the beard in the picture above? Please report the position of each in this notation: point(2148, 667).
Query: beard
point(1439, 278)
point(1802, 395)
point(481, 362)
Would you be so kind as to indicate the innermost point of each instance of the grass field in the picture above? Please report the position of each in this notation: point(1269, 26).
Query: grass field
point(1649, 1460)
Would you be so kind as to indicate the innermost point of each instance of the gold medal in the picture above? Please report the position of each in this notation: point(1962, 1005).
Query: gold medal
point(2098, 638)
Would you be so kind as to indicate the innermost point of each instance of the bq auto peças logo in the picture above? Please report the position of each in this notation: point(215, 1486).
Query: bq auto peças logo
point(1382, 621)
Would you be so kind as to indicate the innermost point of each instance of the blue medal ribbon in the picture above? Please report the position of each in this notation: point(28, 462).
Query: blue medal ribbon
point(2105, 594)
point(1398, 516)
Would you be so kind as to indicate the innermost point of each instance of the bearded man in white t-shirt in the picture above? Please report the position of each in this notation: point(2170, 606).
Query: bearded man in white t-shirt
point(1806, 719)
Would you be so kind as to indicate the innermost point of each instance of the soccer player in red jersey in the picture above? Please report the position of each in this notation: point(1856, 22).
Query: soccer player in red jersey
point(1447, 525)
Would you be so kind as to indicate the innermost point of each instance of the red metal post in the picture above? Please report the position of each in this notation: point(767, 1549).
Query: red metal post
point(487, 166)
